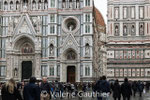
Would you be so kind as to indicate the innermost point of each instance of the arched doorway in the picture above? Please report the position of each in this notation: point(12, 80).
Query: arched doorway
point(71, 74)
point(26, 69)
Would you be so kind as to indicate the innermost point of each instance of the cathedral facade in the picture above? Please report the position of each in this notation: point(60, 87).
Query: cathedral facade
point(128, 39)
point(52, 38)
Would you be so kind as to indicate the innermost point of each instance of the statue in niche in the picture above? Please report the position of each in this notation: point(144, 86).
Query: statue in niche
point(17, 5)
point(116, 30)
point(34, 5)
point(64, 4)
point(38, 25)
point(133, 29)
point(125, 30)
point(77, 4)
point(11, 6)
point(15, 72)
point(87, 50)
point(51, 50)
point(141, 29)
point(45, 5)
point(71, 55)
point(71, 28)
point(5, 6)
point(40, 5)
point(10, 26)
point(70, 4)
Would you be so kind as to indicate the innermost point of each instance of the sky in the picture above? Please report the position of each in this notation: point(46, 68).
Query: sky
point(102, 6)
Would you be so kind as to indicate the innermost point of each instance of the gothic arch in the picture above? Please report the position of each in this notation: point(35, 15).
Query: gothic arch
point(21, 40)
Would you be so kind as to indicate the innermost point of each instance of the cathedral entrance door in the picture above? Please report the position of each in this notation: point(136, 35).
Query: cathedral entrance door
point(71, 74)
point(26, 69)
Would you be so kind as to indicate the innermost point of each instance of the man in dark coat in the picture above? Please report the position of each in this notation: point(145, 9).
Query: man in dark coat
point(31, 90)
point(140, 88)
point(45, 89)
point(126, 90)
point(116, 90)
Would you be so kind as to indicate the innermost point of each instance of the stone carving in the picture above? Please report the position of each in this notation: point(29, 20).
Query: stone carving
point(71, 55)
point(133, 29)
point(15, 72)
point(46, 5)
point(10, 26)
point(116, 30)
point(17, 5)
point(70, 4)
point(40, 5)
point(125, 30)
point(141, 29)
point(78, 4)
point(34, 6)
point(27, 49)
point(38, 25)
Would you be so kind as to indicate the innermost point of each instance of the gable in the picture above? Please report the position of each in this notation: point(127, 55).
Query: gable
point(24, 26)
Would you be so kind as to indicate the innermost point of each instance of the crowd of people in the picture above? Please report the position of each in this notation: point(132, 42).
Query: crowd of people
point(44, 90)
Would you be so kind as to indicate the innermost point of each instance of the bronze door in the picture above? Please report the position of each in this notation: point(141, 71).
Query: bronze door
point(71, 74)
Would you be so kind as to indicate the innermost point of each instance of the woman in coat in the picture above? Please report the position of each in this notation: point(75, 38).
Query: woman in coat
point(10, 92)
point(116, 90)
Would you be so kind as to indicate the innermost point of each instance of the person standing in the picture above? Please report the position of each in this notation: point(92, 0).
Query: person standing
point(10, 92)
point(116, 88)
point(126, 90)
point(140, 88)
point(105, 88)
point(45, 89)
point(134, 87)
point(31, 90)
point(98, 89)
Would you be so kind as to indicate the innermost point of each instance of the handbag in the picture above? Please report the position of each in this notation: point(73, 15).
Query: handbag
point(44, 94)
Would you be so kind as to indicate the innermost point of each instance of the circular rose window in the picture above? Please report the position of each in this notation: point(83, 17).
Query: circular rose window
point(70, 24)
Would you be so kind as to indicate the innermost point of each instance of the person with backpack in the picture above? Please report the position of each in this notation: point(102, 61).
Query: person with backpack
point(140, 88)
point(126, 89)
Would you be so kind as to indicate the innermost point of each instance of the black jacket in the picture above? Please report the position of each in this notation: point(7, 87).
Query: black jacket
point(116, 90)
point(126, 89)
point(8, 96)
point(45, 87)
point(31, 92)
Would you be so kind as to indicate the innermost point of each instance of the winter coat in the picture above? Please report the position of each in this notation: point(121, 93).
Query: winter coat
point(116, 90)
point(45, 87)
point(126, 89)
point(31, 92)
